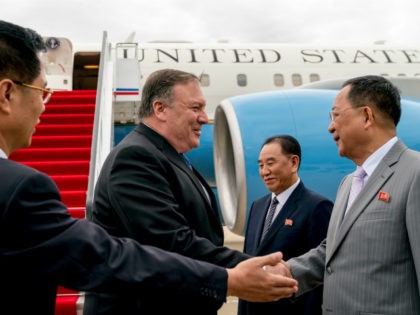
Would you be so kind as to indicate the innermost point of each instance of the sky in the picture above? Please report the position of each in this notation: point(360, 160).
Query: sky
point(235, 21)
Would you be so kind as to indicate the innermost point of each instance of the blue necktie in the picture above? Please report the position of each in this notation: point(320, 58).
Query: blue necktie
point(186, 161)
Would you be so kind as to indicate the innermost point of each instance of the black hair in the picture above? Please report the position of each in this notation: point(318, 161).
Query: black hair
point(19, 49)
point(379, 92)
point(288, 144)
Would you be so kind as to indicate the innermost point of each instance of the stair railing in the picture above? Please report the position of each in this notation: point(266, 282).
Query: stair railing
point(103, 131)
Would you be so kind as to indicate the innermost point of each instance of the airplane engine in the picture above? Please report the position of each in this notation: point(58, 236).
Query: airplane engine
point(242, 124)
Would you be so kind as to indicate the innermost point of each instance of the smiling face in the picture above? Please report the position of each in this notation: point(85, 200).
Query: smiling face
point(277, 170)
point(185, 116)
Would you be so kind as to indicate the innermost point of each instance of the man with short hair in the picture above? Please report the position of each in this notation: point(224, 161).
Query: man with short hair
point(291, 218)
point(42, 246)
point(147, 191)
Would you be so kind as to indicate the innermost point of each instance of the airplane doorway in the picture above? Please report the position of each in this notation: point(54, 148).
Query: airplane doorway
point(85, 70)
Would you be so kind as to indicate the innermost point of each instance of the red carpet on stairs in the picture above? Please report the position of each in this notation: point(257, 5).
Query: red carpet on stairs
point(61, 148)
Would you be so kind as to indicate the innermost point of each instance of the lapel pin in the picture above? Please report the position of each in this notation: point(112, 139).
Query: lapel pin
point(383, 196)
point(288, 222)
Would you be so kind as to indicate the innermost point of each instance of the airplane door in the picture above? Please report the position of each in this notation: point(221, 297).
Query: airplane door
point(86, 69)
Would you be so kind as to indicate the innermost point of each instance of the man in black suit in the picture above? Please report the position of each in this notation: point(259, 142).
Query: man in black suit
point(148, 192)
point(298, 221)
point(42, 246)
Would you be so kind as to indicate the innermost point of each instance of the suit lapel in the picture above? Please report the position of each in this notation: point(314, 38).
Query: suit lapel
point(371, 190)
point(260, 213)
point(175, 158)
point(286, 212)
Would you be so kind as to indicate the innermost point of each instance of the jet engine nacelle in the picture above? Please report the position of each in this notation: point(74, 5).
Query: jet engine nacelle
point(242, 124)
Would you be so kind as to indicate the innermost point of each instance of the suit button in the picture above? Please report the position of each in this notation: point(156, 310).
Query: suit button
point(329, 270)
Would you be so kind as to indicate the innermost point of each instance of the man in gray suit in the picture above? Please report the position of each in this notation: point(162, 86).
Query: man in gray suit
point(370, 260)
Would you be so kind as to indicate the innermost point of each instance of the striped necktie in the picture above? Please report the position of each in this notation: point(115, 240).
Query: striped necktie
point(269, 217)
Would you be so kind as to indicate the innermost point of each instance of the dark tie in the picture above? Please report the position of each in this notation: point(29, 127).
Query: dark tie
point(356, 186)
point(269, 217)
point(186, 161)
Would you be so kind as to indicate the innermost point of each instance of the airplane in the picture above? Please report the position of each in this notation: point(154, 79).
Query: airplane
point(241, 127)
point(253, 91)
point(227, 70)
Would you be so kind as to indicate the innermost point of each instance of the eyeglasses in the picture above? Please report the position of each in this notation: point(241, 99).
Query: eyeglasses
point(46, 93)
point(335, 114)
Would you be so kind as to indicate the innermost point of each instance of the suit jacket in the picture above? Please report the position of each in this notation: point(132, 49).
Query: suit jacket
point(309, 213)
point(370, 261)
point(147, 192)
point(42, 246)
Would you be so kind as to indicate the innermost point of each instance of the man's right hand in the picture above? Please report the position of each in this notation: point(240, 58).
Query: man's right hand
point(252, 281)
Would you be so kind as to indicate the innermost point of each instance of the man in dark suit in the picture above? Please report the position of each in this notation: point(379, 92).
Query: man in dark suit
point(42, 246)
point(297, 222)
point(148, 192)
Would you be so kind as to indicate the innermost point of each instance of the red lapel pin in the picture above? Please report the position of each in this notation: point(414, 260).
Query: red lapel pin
point(383, 196)
point(288, 222)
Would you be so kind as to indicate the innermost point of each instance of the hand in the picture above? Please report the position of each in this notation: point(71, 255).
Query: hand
point(282, 268)
point(249, 281)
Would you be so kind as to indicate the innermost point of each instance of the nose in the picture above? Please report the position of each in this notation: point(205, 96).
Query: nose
point(264, 170)
point(331, 127)
point(203, 118)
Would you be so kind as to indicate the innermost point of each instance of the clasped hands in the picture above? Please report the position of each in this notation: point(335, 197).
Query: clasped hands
point(262, 279)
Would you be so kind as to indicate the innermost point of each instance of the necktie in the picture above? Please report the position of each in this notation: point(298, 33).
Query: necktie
point(269, 217)
point(186, 161)
point(356, 185)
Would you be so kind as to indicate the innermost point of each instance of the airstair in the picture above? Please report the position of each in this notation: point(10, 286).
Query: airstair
point(61, 148)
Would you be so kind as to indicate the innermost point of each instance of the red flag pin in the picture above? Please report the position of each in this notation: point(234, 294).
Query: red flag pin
point(288, 222)
point(383, 196)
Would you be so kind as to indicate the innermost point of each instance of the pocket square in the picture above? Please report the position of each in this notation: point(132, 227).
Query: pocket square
point(383, 196)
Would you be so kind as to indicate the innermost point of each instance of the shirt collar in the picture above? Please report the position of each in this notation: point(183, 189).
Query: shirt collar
point(283, 196)
point(373, 160)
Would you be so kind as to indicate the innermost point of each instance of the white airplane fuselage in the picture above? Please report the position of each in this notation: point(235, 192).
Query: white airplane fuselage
point(229, 69)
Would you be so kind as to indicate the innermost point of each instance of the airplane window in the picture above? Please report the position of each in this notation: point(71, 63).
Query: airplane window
point(296, 79)
point(204, 79)
point(278, 79)
point(241, 79)
point(314, 77)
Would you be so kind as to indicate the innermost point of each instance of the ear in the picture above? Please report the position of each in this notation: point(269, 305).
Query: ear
point(369, 116)
point(159, 110)
point(6, 92)
point(295, 161)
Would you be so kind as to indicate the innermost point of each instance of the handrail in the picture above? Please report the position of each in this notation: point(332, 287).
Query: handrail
point(102, 137)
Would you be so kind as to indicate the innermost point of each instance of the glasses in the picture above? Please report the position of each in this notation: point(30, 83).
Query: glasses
point(335, 114)
point(46, 93)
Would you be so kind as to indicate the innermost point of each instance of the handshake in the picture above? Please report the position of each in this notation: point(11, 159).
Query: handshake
point(261, 279)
